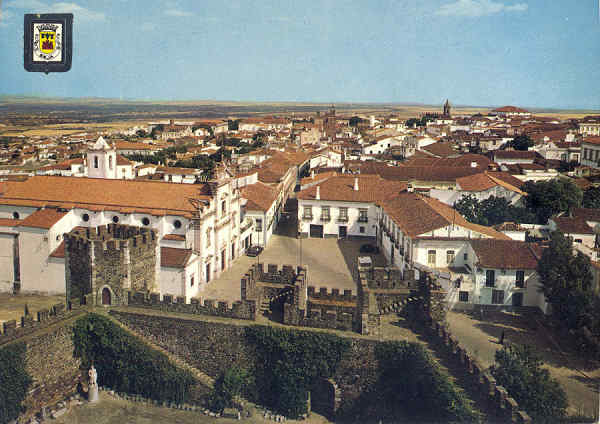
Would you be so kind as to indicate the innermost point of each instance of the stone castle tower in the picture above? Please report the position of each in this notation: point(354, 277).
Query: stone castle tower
point(108, 261)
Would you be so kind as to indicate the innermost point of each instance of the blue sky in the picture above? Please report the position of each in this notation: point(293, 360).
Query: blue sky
point(532, 53)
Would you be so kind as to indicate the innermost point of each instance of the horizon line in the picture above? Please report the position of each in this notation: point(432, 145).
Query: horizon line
point(290, 102)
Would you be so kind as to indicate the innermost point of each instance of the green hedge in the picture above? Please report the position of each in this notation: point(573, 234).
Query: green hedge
point(291, 363)
point(126, 364)
point(410, 387)
point(14, 381)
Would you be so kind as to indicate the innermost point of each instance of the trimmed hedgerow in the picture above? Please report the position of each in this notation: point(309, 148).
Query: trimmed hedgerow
point(410, 387)
point(14, 381)
point(126, 364)
point(291, 361)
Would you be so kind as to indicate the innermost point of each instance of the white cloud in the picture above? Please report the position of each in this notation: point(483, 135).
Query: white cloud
point(177, 13)
point(477, 8)
point(79, 12)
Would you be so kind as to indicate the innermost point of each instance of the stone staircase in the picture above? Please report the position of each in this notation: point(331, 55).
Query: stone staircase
point(203, 378)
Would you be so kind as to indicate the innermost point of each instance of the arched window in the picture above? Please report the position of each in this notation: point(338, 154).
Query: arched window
point(145, 221)
point(85, 217)
point(95, 161)
point(177, 224)
point(15, 215)
point(115, 219)
point(110, 162)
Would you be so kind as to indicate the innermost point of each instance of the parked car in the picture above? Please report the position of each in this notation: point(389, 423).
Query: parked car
point(254, 251)
point(369, 248)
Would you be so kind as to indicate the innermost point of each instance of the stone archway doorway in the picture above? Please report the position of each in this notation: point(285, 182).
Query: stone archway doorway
point(106, 296)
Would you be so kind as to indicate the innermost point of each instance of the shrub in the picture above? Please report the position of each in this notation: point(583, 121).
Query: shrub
point(14, 381)
point(519, 370)
point(291, 362)
point(126, 364)
point(228, 386)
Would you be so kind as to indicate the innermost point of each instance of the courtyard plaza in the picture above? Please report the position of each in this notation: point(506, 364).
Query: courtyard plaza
point(331, 262)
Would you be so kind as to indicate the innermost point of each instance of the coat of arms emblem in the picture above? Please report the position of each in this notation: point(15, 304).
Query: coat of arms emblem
point(47, 42)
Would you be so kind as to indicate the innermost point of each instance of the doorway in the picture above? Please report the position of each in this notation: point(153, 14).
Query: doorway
point(343, 231)
point(105, 296)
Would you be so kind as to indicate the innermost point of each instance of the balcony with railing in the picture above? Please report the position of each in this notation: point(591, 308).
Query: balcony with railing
point(307, 217)
point(325, 217)
point(341, 218)
point(245, 225)
point(363, 219)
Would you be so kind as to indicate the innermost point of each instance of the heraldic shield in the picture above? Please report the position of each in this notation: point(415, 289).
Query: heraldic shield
point(48, 41)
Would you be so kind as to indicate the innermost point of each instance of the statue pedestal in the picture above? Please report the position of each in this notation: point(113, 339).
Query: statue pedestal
point(93, 393)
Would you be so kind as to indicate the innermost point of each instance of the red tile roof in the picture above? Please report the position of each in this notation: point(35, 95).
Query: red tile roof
point(504, 254)
point(174, 258)
point(43, 218)
point(341, 188)
point(59, 252)
point(587, 214)
point(416, 215)
point(175, 237)
point(260, 196)
point(158, 198)
point(575, 225)
point(6, 222)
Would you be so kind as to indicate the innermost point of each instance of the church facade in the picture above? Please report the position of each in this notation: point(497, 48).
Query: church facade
point(197, 226)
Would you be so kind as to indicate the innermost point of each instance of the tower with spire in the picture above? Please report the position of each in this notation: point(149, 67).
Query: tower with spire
point(446, 109)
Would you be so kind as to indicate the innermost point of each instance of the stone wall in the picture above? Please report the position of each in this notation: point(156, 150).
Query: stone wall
point(13, 329)
point(215, 347)
point(245, 309)
point(491, 394)
point(50, 362)
point(49, 353)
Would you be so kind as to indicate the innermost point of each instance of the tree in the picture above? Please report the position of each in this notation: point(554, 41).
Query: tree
point(519, 370)
point(228, 386)
point(492, 211)
point(469, 208)
point(566, 282)
point(591, 198)
point(547, 198)
point(521, 142)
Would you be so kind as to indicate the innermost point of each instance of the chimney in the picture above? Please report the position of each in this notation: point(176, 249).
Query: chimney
point(473, 164)
point(409, 188)
point(318, 196)
point(312, 174)
point(355, 184)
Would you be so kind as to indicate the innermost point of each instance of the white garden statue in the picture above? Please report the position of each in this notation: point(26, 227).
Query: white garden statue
point(93, 385)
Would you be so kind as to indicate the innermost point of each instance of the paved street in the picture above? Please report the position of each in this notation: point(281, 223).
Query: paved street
point(579, 378)
point(330, 262)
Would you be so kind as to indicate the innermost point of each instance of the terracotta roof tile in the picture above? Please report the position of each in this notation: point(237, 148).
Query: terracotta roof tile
point(59, 252)
point(174, 258)
point(174, 237)
point(43, 218)
point(574, 225)
point(370, 189)
point(259, 195)
point(586, 214)
point(157, 198)
point(6, 222)
point(417, 215)
point(504, 254)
